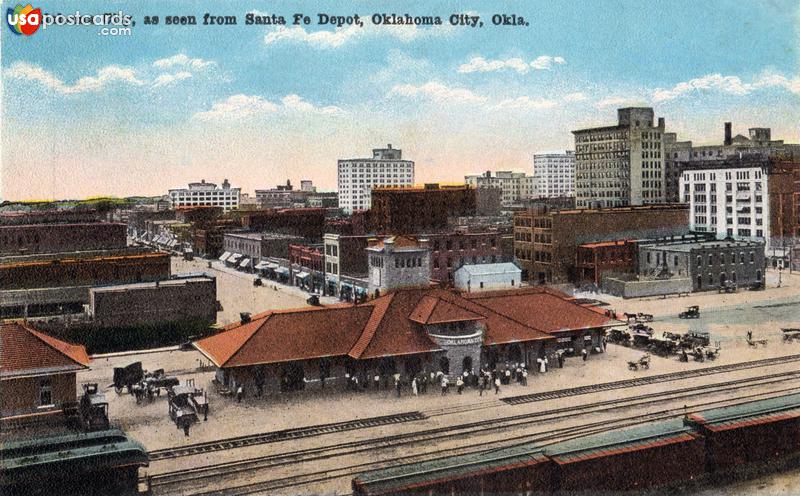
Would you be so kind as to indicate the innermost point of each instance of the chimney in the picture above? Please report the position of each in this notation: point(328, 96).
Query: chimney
point(661, 124)
point(728, 139)
point(488, 174)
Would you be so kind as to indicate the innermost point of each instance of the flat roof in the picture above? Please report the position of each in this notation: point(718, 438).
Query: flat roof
point(687, 246)
point(491, 268)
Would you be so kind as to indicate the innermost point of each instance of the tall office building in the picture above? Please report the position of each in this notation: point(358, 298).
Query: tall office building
point(357, 177)
point(621, 165)
point(554, 174)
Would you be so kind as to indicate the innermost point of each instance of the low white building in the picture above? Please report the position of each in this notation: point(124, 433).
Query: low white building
point(487, 277)
point(206, 194)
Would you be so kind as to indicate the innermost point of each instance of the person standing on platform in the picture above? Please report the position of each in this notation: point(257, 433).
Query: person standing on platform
point(481, 384)
point(444, 384)
point(239, 395)
point(414, 390)
point(585, 354)
point(524, 376)
point(460, 384)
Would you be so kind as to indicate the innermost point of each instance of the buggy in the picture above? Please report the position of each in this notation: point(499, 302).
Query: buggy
point(619, 336)
point(313, 300)
point(790, 335)
point(126, 377)
point(694, 339)
point(93, 408)
point(183, 406)
point(643, 363)
point(663, 346)
point(692, 312)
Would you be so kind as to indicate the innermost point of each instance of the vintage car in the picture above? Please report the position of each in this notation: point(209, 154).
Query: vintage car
point(692, 312)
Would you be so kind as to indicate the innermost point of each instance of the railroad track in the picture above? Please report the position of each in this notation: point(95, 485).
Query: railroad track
point(283, 435)
point(554, 436)
point(653, 379)
point(482, 427)
point(310, 431)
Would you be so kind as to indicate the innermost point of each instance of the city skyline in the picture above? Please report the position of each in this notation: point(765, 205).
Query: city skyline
point(166, 106)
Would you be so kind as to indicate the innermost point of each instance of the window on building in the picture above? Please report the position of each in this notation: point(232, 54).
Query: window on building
point(45, 391)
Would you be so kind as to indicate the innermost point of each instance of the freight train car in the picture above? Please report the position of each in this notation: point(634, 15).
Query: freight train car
point(93, 463)
point(519, 469)
point(751, 434)
point(700, 447)
point(621, 460)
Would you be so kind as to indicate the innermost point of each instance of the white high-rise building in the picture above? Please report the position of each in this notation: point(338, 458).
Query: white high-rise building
point(728, 198)
point(357, 177)
point(554, 174)
point(206, 194)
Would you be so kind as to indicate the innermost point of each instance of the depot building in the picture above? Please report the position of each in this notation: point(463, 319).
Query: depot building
point(406, 331)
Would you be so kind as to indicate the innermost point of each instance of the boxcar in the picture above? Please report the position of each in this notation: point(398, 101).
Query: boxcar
point(742, 436)
point(101, 462)
point(658, 454)
point(518, 469)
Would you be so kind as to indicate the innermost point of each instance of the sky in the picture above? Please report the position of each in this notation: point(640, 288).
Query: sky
point(88, 115)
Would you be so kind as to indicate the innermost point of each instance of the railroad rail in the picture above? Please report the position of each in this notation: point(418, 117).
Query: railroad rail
point(216, 471)
point(552, 436)
point(653, 379)
point(283, 435)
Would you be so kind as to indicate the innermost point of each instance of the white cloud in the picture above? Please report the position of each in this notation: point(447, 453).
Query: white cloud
point(244, 106)
point(437, 92)
point(480, 64)
point(524, 102)
point(167, 79)
point(732, 85)
point(296, 103)
point(324, 40)
point(613, 101)
point(575, 97)
point(238, 106)
point(184, 61)
point(546, 62)
point(104, 77)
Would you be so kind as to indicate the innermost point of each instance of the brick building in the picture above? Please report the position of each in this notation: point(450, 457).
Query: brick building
point(178, 300)
point(37, 372)
point(306, 222)
point(783, 185)
point(310, 261)
point(595, 259)
point(345, 257)
point(74, 216)
point(54, 238)
point(708, 264)
point(419, 209)
point(452, 250)
point(546, 239)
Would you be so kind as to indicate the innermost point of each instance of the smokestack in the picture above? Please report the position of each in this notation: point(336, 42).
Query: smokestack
point(728, 139)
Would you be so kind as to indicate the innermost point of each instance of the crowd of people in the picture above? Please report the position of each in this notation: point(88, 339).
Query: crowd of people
point(423, 382)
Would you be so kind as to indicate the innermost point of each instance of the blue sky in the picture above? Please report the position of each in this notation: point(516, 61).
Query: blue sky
point(87, 115)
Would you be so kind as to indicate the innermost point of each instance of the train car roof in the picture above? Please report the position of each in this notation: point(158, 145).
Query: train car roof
point(421, 474)
point(750, 413)
point(620, 441)
point(93, 449)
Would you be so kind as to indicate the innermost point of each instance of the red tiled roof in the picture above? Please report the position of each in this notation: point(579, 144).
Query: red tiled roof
point(432, 310)
point(392, 325)
point(24, 350)
point(544, 309)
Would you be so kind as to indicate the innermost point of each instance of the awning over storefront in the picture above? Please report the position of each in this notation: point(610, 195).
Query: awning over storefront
point(245, 263)
point(173, 243)
point(302, 275)
point(234, 259)
point(272, 266)
point(261, 265)
point(224, 256)
point(282, 270)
